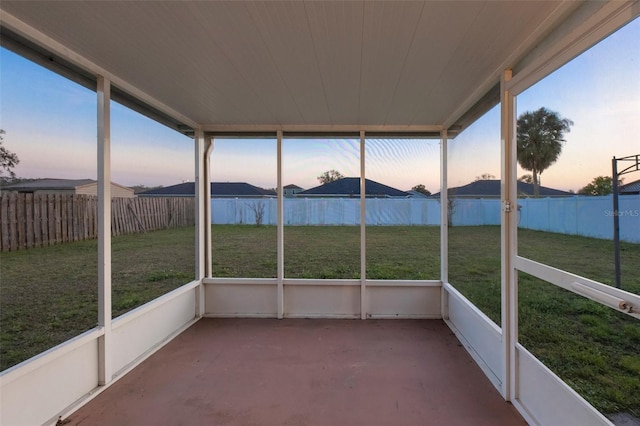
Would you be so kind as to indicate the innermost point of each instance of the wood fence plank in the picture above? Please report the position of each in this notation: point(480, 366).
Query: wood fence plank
point(51, 215)
point(20, 222)
point(64, 237)
point(44, 219)
point(12, 222)
point(37, 236)
point(75, 213)
point(58, 208)
point(145, 214)
point(29, 215)
point(114, 218)
point(4, 222)
point(124, 216)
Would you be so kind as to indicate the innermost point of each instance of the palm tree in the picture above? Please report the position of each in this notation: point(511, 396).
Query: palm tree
point(540, 139)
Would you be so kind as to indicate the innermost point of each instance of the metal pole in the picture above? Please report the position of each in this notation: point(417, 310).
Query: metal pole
point(280, 229)
point(363, 231)
point(105, 363)
point(616, 220)
point(509, 244)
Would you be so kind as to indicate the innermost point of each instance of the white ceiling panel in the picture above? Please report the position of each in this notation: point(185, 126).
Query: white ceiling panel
point(248, 64)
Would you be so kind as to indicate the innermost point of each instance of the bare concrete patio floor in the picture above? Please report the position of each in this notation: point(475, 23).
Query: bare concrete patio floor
point(304, 372)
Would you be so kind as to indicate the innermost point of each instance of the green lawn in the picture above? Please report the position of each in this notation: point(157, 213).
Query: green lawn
point(49, 295)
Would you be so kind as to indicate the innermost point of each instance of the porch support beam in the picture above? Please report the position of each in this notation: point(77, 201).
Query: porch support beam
point(444, 225)
point(103, 91)
point(363, 231)
point(199, 149)
point(509, 244)
point(201, 181)
point(280, 229)
point(312, 130)
point(209, 143)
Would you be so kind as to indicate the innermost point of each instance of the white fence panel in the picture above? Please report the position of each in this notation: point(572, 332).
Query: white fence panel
point(326, 211)
point(579, 215)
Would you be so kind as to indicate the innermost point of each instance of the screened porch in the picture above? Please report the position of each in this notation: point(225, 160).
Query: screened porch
point(253, 337)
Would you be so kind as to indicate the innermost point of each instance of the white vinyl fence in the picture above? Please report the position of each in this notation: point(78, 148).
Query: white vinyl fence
point(327, 211)
point(579, 215)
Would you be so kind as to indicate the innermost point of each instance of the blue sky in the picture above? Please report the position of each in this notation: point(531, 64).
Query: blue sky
point(50, 123)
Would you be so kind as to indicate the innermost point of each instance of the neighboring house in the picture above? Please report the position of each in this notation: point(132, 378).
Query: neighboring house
point(218, 190)
point(630, 188)
point(417, 194)
point(291, 190)
point(350, 187)
point(491, 189)
point(66, 186)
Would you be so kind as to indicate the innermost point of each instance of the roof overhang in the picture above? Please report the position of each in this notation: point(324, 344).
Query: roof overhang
point(306, 68)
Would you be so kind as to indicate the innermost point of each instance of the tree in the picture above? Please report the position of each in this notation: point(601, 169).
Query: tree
point(601, 185)
point(485, 176)
point(258, 210)
point(330, 176)
point(526, 178)
point(142, 188)
point(540, 139)
point(8, 159)
point(421, 189)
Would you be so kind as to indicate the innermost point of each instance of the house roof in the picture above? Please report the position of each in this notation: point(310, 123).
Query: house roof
point(417, 194)
point(49, 184)
point(291, 186)
point(491, 189)
point(630, 188)
point(350, 186)
point(330, 66)
point(52, 184)
point(219, 189)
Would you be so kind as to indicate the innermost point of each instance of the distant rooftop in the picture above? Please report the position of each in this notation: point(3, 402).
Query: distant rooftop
point(491, 189)
point(630, 188)
point(49, 184)
point(291, 186)
point(350, 186)
point(220, 189)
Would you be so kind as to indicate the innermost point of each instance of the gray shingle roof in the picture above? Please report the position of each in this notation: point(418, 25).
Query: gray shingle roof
point(220, 189)
point(350, 186)
point(48, 184)
point(491, 189)
point(630, 188)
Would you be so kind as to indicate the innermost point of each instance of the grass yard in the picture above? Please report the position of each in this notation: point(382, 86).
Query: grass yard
point(591, 347)
point(330, 252)
point(49, 295)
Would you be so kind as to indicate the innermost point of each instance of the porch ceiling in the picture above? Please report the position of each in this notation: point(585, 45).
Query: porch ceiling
point(261, 65)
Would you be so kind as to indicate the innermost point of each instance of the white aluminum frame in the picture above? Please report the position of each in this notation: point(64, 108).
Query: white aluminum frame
point(509, 244)
point(103, 92)
point(47, 381)
point(363, 229)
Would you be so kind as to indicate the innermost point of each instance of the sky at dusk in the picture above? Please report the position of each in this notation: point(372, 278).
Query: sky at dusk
point(50, 123)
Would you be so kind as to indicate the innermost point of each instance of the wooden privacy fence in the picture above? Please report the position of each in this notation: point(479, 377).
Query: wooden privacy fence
point(37, 220)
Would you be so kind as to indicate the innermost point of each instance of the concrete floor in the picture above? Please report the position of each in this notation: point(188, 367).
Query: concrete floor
point(304, 372)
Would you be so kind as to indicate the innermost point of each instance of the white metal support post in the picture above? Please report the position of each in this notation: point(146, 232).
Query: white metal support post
point(209, 142)
point(444, 225)
point(363, 232)
point(103, 92)
point(509, 223)
point(200, 213)
point(199, 149)
point(280, 237)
